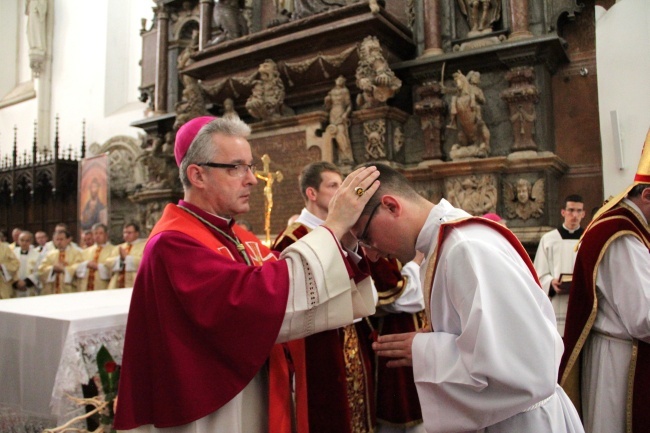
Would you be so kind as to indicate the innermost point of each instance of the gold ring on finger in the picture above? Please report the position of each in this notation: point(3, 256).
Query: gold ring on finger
point(359, 191)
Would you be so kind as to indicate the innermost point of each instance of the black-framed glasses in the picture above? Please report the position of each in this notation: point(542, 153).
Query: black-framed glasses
point(362, 239)
point(236, 170)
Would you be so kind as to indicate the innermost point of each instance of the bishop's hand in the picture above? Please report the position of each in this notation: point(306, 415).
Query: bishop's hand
point(350, 199)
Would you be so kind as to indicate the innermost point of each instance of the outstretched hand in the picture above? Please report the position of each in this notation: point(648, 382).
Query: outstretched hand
point(346, 205)
point(396, 346)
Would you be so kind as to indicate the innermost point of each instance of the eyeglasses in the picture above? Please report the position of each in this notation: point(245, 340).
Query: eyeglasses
point(235, 170)
point(363, 241)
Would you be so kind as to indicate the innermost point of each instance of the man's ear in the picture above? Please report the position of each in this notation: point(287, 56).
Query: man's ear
point(311, 192)
point(392, 204)
point(196, 175)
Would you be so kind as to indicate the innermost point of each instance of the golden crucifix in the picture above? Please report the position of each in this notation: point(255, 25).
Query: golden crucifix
point(268, 178)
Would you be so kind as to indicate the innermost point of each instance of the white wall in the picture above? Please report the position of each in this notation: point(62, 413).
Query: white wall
point(623, 59)
point(95, 71)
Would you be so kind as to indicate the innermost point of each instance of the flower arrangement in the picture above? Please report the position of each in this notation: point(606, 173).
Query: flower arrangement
point(107, 380)
point(109, 375)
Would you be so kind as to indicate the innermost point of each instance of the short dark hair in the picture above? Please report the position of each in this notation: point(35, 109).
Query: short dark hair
point(310, 176)
point(135, 226)
point(391, 181)
point(574, 198)
point(637, 190)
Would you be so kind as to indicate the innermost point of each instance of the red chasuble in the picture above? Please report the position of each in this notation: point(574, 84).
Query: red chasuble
point(328, 367)
point(583, 307)
point(201, 323)
point(395, 393)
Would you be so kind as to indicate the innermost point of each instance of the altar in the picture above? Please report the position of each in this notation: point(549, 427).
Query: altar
point(48, 346)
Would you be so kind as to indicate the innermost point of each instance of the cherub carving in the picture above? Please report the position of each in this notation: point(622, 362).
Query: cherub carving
point(267, 97)
point(523, 200)
point(228, 17)
point(375, 79)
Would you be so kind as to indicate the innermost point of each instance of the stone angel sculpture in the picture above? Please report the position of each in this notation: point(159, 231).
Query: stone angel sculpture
point(523, 200)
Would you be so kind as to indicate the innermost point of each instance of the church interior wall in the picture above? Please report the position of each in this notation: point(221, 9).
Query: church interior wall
point(623, 53)
point(95, 72)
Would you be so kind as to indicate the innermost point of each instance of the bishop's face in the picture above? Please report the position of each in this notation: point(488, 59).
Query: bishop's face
point(227, 194)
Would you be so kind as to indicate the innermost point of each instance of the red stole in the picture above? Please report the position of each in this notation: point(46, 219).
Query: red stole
point(396, 396)
point(121, 280)
point(323, 374)
point(581, 315)
point(176, 219)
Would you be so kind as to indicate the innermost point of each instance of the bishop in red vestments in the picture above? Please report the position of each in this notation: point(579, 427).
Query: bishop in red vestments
point(210, 300)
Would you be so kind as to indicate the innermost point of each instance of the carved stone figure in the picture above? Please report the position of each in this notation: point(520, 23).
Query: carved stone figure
point(229, 109)
point(229, 19)
point(473, 139)
point(480, 14)
point(523, 200)
point(158, 158)
point(267, 97)
point(375, 79)
point(36, 11)
point(192, 103)
point(476, 195)
point(339, 104)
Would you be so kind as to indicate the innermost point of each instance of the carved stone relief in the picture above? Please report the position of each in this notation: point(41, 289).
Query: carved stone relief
point(375, 134)
point(523, 200)
point(521, 98)
point(476, 194)
point(431, 107)
point(375, 79)
point(473, 136)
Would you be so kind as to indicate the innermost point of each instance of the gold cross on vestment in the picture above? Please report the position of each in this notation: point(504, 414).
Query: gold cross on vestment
point(268, 178)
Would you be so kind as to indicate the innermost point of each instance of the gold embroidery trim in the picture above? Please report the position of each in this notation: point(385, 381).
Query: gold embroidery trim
point(355, 376)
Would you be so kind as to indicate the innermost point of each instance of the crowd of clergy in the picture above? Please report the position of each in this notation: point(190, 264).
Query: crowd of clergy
point(33, 265)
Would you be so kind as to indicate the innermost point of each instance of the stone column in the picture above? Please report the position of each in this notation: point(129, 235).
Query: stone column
point(162, 61)
point(519, 20)
point(521, 97)
point(431, 107)
point(432, 30)
point(205, 27)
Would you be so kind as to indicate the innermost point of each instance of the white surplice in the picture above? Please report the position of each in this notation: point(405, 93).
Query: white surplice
point(491, 363)
point(555, 256)
point(623, 291)
point(321, 297)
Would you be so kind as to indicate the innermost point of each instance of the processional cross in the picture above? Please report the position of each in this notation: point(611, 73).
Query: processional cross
point(268, 178)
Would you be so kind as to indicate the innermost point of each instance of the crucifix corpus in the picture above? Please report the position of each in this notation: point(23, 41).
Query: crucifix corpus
point(268, 178)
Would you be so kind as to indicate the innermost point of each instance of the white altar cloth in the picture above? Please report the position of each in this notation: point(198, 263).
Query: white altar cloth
point(48, 344)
